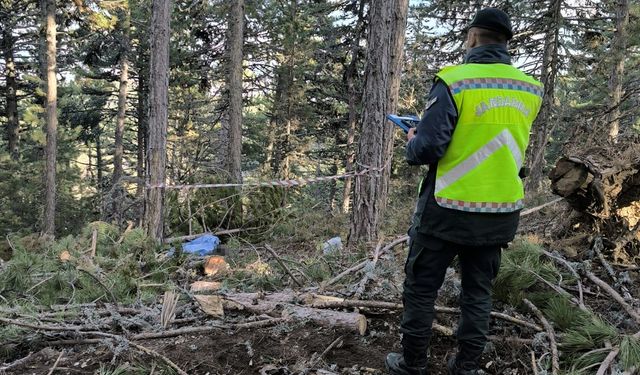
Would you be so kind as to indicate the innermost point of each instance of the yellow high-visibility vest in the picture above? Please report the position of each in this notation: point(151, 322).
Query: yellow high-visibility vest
point(497, 105)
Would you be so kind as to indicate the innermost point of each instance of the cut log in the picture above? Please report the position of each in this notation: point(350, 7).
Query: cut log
point(283, 304)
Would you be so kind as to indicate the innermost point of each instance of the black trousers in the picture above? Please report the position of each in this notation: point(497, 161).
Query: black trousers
point(425, 269)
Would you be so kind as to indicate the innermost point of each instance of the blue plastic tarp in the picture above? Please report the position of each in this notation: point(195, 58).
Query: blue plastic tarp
point(201, 246)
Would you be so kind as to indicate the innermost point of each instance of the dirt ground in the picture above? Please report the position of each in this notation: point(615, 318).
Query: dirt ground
point(283, 349)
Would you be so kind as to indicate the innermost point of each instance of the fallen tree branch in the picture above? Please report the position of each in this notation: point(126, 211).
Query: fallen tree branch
point(615, 295)
point(96, 278)
point(604, 366)
point(371, 265)
point(364, 263)
point(284, 266)
point(16, 363)
point(597, 248)
point(555, 362)
point(538, 208)
point(204, 329)
point(79, 330)
point(55, 364)
point(333, 344)
point(344, 273)
point(573, 271)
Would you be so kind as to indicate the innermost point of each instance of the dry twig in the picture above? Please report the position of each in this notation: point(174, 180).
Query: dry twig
point(555, 362)
point(55, 364)
point(534, 365)
point(574, 273)
point(364, 263)
point(335, 343)
point(80, 330)
point(362, 285)
point(284, 266)
point(615, 295)
point(604, 366)
point(597, 248)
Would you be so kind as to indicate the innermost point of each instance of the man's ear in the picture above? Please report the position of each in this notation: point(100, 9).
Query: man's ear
point(472, 39)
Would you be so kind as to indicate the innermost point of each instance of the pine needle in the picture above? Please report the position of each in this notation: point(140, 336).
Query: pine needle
point(629, 351)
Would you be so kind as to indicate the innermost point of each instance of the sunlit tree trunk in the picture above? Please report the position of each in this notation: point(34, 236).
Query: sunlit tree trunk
point(618, 51)
point(118, 191)
point(384, 59)
point(51, 118)
point(158, 118)
point(234, 85)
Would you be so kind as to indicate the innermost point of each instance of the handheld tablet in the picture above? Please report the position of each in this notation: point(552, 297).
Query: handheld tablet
point(404, 122)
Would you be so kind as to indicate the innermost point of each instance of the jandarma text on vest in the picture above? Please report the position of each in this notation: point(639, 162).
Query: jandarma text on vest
point(501, 101)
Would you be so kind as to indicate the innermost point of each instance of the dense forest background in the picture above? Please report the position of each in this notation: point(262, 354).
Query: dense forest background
point(285, 94)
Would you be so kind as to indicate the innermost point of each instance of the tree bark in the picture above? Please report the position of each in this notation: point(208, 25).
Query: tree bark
point(384, 52)
point(234, 84)
point(118, 191)
point(13, 127)
point(49, 7)
point(541, 128)
point(284, 304)
point(618, 51)
point(158, 118)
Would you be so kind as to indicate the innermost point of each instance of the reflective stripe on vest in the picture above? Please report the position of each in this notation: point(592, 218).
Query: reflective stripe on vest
point(503, 139)
point(496, 105)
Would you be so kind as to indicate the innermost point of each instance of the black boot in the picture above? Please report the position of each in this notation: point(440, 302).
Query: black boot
point(463, 366)
point(397, 366)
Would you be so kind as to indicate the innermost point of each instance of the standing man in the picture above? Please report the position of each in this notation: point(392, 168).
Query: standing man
point(473, 135)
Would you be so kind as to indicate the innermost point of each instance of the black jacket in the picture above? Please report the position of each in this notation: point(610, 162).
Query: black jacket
point(428, 146)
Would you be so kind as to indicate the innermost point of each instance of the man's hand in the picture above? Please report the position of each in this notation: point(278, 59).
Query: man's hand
point(411, 134)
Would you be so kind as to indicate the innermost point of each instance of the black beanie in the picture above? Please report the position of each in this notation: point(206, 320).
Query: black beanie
point(493, 19)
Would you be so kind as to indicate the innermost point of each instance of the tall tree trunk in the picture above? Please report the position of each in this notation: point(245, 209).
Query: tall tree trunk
point(618, 51)
point(384, 60)
point(234, 85)
point(118, 190)
point(541, 128)
point(13, 128)
point(352, 92)
point(158, 118)
point(51, 119)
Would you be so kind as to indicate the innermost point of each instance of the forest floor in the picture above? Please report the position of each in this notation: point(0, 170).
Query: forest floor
point(77, 337)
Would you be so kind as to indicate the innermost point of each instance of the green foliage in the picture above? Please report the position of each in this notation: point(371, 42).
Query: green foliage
point(629, 351)
point(317, 269)
point(521, 269)
point(588, 361)
point(138, 367)
point(563, 314)
point(588, 334)
point(36, 274)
